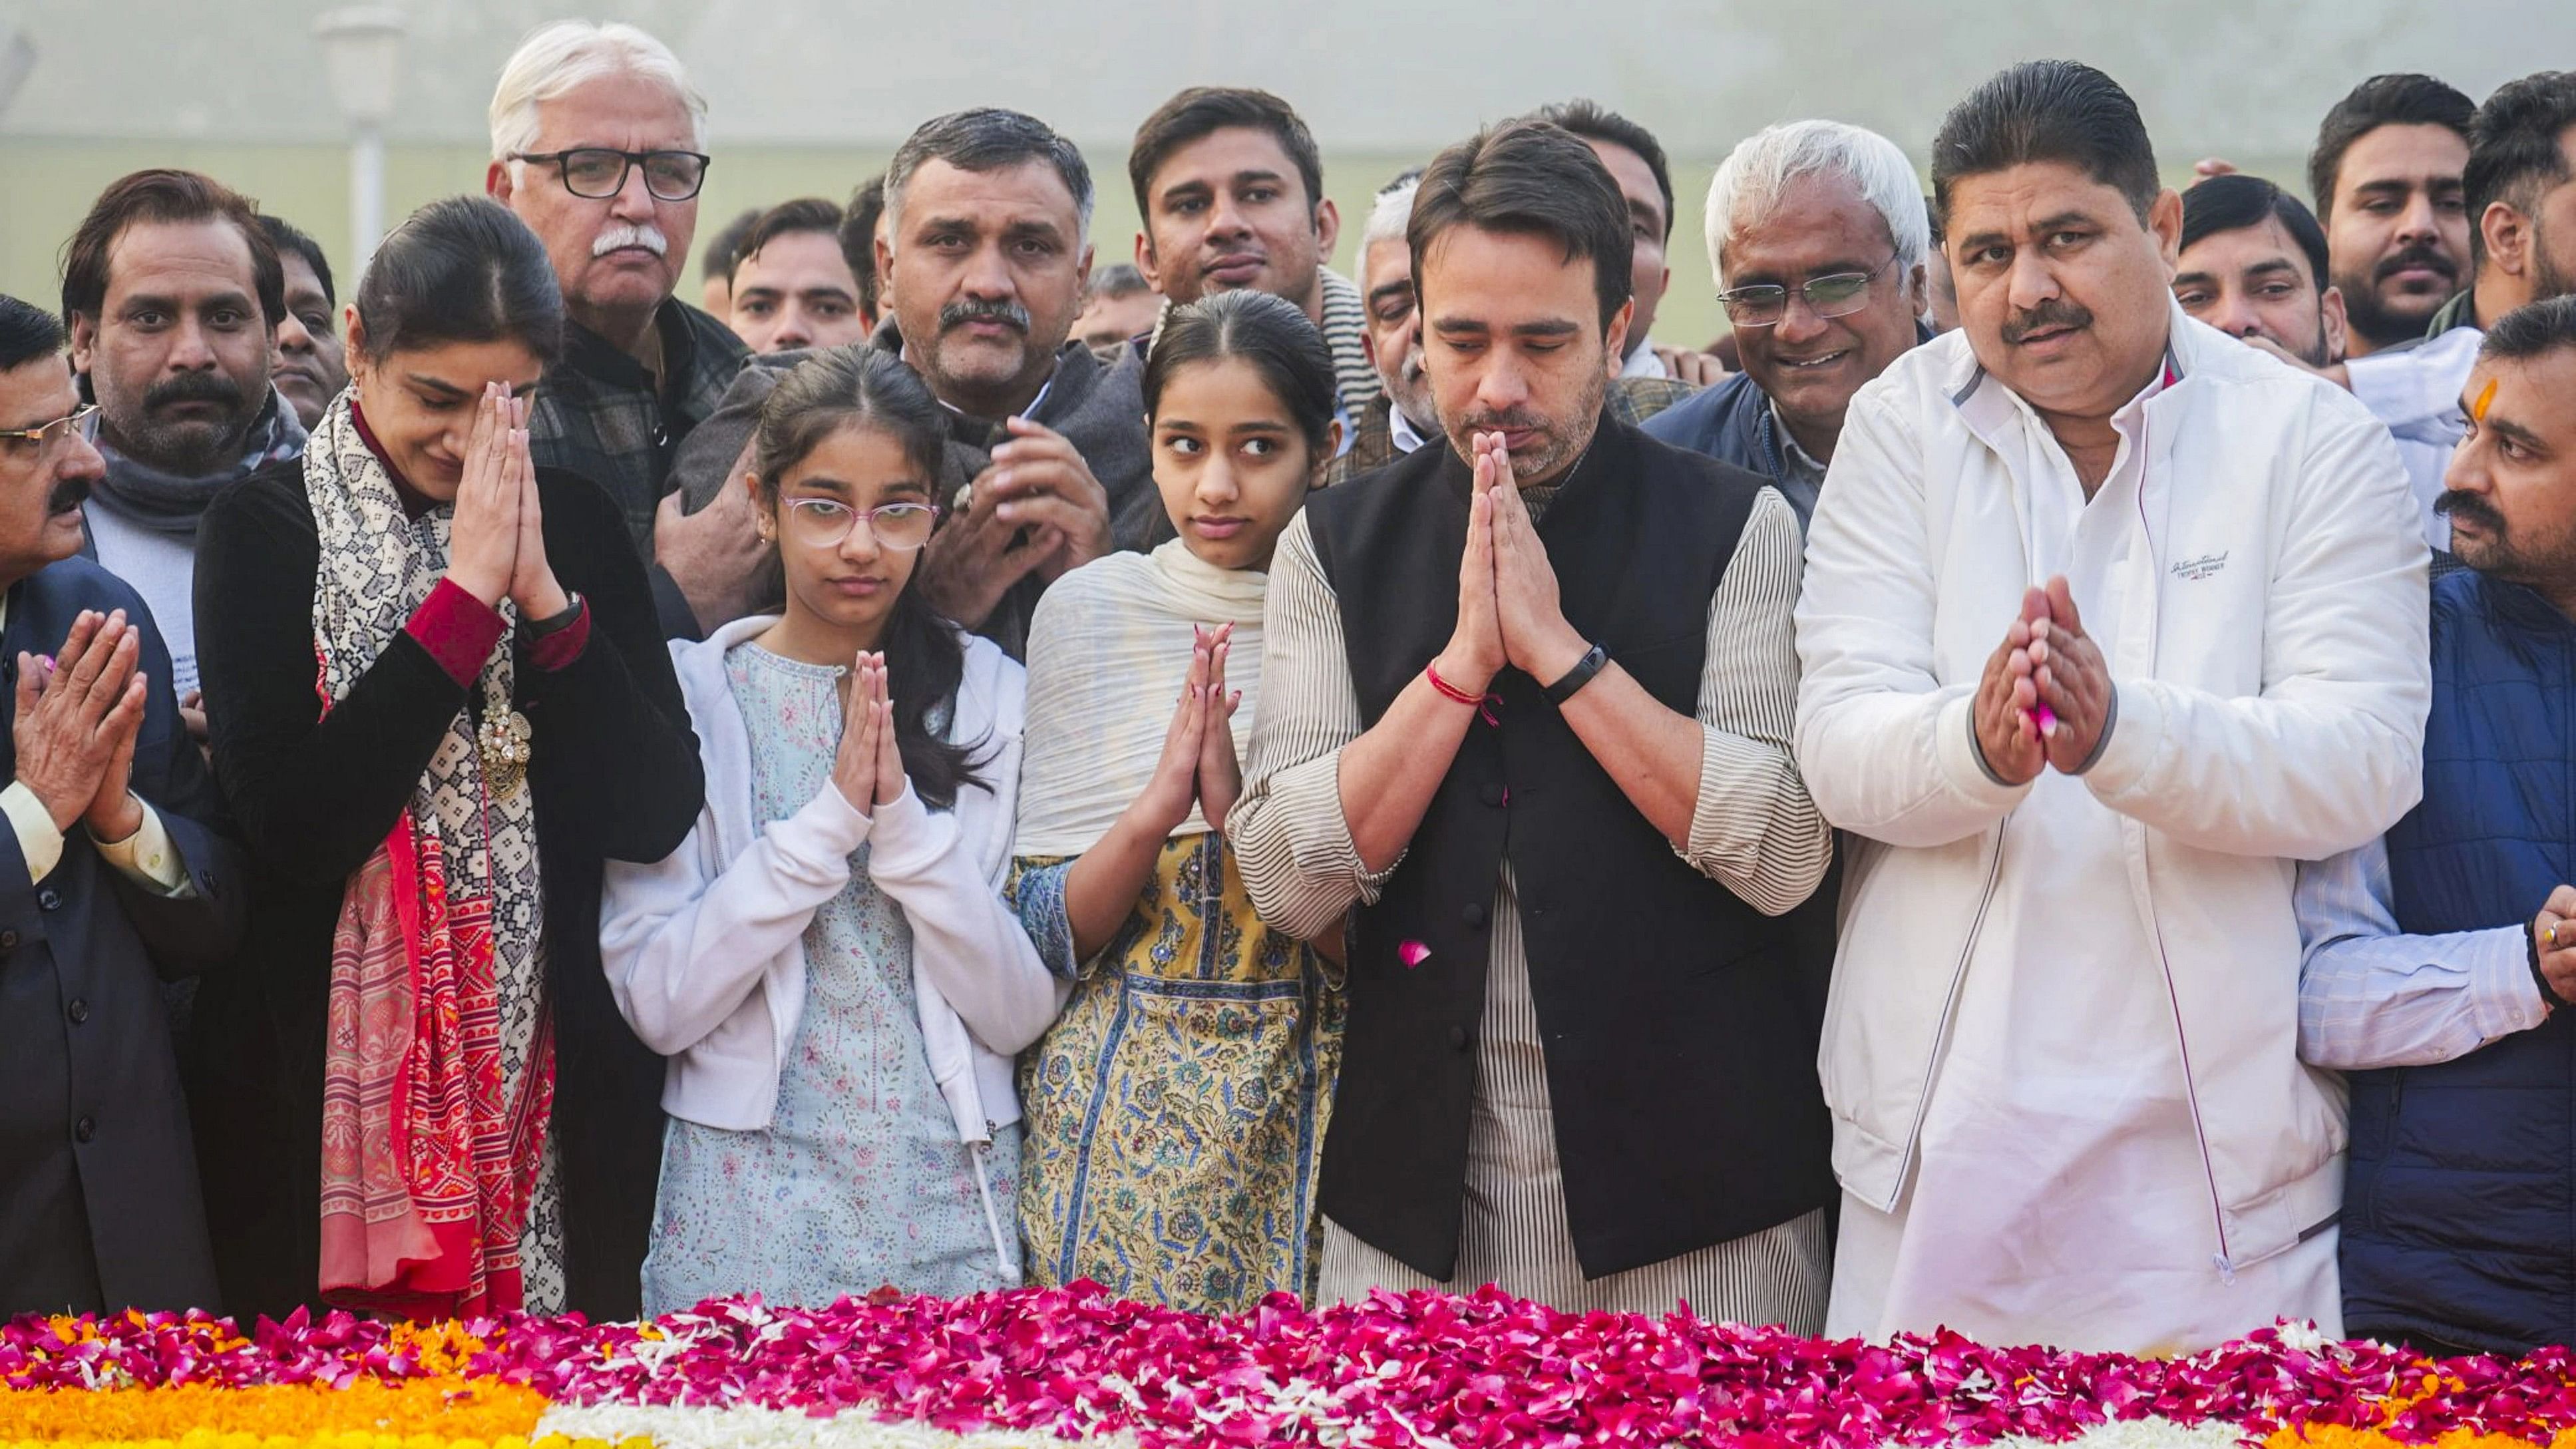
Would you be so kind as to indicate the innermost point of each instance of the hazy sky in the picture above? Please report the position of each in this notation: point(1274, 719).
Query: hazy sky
point(2244, 76)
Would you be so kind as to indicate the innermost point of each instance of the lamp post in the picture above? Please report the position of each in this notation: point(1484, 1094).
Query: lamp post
point(17, 56)
point(360, 47)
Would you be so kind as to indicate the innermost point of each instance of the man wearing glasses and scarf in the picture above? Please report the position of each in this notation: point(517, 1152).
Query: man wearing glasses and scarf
point(594, 145)
point(1818, 235)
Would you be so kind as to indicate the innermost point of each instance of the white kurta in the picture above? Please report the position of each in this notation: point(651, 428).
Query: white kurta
point(2059, 1192)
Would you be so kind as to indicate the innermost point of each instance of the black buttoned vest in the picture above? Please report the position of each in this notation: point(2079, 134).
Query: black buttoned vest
point(1679, 1024)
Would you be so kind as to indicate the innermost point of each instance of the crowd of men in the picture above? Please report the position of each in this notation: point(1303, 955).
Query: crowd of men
point(1975, 888)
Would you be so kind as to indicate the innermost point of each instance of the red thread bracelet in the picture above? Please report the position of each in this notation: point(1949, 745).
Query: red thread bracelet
point(1483, 703)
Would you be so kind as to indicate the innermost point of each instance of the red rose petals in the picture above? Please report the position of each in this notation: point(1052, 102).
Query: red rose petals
point(1483, 1370)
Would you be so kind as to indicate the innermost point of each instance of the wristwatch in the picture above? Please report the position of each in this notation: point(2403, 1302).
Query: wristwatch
point(1580, 675)
point(553, 623)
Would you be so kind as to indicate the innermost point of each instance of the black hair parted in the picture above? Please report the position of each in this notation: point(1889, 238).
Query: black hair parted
point(805, 213)
point(859, 237)
point(2532, 330)
point(2400, 99)
point(1272, 334)
point(1530, 178)
point(164, 195)
point(858, 386)
point(1593, 121)
point(2047, 110)
point(717, 260)
point(461, 269)
point(2237, 202)
point(1204, 110)
point(2514, 150)
point(286, 236)
point(27, 333)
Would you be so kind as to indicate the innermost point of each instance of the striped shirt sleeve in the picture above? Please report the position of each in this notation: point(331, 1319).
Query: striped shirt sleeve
point(1291, 840)
point(2371, 996)
point(1754, 830)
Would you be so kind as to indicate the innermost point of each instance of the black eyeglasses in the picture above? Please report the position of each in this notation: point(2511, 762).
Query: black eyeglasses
point(1836, 294)
point(596, 173)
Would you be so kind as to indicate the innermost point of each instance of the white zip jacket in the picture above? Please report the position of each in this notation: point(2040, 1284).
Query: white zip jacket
point(2271, 699)
point(705, 950)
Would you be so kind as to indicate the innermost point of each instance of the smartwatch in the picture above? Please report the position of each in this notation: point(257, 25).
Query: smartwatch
point(1580, 675)
point(556, 623)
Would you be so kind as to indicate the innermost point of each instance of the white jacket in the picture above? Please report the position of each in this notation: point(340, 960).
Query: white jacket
point(2271, 709)
point(705, 950)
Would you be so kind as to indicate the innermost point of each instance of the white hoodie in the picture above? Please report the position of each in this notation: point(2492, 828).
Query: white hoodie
point(705, 950)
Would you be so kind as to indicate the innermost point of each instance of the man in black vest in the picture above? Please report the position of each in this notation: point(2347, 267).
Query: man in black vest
point(1526, 705)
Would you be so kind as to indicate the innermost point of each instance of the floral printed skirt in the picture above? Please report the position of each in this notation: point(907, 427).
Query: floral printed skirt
point(1176, 1109)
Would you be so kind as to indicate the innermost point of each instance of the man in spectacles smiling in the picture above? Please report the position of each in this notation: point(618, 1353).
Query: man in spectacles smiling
point(595, 137)
point(1818, 235)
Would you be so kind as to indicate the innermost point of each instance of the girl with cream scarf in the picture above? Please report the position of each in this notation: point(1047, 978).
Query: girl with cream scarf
point(1176, 1109)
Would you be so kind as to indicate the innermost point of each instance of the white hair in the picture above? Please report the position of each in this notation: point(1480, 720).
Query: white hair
point(1749, 182)
point(1389, 217)
point(561, 55)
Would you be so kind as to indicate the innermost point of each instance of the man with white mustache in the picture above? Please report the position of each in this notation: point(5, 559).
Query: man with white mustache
point(594, 145)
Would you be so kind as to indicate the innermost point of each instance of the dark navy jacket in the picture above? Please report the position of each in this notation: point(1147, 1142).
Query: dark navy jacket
point(99, 1206)
point(2459, 1220)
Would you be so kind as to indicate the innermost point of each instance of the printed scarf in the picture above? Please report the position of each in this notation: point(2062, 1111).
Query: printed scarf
point(438, 1078)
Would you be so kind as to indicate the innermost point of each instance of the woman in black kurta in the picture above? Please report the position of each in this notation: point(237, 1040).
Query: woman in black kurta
point(458, 298)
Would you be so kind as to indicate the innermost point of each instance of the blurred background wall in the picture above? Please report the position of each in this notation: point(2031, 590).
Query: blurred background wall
point(810, 96)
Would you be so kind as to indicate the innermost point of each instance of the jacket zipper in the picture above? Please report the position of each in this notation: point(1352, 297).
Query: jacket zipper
point(2191, 1092)
point(1949, 1009)
point(2224, 1261)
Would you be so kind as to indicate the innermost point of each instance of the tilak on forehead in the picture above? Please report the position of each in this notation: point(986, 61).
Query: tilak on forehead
point(2486, 399)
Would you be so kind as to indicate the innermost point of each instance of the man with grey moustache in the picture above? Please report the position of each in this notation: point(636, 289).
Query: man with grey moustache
point(1391, 425)
point(595, 136)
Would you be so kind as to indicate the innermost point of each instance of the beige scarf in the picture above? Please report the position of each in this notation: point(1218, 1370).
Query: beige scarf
point(1108, 654)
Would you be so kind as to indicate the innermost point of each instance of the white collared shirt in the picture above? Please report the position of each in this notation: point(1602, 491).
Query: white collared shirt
point(1399, 429)
point(2416, 392)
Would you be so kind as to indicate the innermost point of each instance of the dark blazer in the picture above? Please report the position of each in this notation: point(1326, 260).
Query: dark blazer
point(98, 1186)
point(615, 774)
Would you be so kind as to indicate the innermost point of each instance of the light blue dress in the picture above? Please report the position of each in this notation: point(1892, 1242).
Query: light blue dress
point(859, 1181)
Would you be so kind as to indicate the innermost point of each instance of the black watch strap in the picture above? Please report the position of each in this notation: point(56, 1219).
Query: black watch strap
point(1580, 675)
point(555, 623)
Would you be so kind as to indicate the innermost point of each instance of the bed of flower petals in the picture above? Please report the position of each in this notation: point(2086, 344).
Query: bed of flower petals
point(1050, 1365)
